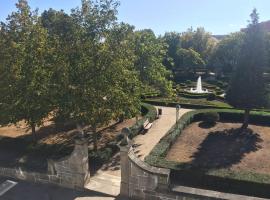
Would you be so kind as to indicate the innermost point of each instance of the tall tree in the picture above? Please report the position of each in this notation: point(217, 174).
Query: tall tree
point(25, 70)
point(200, 41)
point(188, 59)
point(102, 84)
point(248, 89)
point(173, 41)
point(150, 53)
point(226, 53)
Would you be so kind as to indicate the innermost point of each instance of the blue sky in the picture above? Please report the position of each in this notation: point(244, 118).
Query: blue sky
point(217, 16)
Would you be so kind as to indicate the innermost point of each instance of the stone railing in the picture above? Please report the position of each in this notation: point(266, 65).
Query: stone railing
point(71, 171)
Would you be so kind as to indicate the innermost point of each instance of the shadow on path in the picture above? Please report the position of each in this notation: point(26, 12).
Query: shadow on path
point(31, 191)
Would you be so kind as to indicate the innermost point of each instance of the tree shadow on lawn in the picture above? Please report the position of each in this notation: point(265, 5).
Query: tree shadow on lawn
point(222, 149)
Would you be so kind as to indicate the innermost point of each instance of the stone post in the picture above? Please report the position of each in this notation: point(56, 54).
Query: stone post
point(125, 171)
point(177, 112)
point(125, 165)
point(79, 162)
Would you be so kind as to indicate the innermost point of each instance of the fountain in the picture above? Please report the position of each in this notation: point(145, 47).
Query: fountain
point(198, 89)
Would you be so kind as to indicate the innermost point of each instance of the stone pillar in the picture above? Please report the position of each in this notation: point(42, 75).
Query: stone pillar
point(72, 170)
point(125, 170)
point(177, 112)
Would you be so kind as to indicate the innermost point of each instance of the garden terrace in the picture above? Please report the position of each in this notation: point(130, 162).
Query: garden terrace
point(17, 147)
point(215, 159)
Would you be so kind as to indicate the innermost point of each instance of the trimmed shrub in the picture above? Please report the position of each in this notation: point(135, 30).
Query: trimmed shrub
point(210, 117)
point(211, 97)
point(192, 95)
point(188, 82)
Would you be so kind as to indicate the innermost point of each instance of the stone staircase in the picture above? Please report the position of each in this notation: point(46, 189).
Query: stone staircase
point(105, 183)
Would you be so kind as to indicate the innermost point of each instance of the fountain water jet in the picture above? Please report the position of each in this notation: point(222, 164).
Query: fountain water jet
point(198, 89)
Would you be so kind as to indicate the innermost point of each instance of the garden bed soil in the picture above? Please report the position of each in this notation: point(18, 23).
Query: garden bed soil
point(223, 146)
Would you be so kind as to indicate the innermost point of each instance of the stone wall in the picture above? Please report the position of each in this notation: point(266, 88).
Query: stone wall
point(71, 171)
point(144, 182)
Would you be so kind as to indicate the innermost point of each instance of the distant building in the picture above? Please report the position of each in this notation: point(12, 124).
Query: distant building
point(219, 37)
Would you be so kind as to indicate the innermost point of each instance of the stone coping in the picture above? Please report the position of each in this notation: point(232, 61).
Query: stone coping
point(212, 194)
point(145, 166)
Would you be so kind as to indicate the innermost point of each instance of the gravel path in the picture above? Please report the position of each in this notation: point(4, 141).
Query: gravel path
point(145, 143)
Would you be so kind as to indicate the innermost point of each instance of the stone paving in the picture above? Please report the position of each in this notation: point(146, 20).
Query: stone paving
point(145, 143)
point(105, 183)
point(33, 191)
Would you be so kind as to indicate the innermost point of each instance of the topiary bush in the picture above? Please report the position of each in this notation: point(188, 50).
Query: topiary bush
point(210, 117)
point(211, 97)
point(188, 82)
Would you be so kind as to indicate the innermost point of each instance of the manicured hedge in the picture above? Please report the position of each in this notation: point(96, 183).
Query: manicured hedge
point(193, 95)
point(255, 184)
point(184, 105)
point(149, 112)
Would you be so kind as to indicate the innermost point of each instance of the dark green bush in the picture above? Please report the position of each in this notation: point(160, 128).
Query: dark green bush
point(219, 92)
point(211, 97)
point(188, 82)
point(210, 117)
point(149, 112)
point(192, 95)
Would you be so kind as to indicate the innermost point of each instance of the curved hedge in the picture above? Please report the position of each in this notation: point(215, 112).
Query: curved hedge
point(218, 179)
point(148, 112)
point(186, 105)
point(193, 95)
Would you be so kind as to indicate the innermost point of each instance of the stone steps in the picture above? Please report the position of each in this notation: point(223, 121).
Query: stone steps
point(105, 183)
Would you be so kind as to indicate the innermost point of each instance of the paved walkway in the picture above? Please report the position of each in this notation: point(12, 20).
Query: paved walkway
point(145, 143)
point(34, 191)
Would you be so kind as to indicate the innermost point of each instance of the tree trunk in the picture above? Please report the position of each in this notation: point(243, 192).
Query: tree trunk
point(33, 128)
point(95, 139)
point(246, 118)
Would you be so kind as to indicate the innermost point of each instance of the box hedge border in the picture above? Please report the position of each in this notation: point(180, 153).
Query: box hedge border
point(220, 179)
point(149, 112)
point(183, 105)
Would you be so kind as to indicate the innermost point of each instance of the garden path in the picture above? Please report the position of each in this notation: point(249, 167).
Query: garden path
point(145, 143)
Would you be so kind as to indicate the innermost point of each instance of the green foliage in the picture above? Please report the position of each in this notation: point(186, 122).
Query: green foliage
point(225, 55)
point(210, 117)
point(247, 89)
point(188, 52)
point(188, 59)
point(211, 97)
point(25, 68)
point(192, 95)
point(150, 52)
point(187, 103)
point(199, 40)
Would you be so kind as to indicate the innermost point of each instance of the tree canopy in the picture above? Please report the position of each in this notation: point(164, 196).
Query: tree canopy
point(248, 89)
